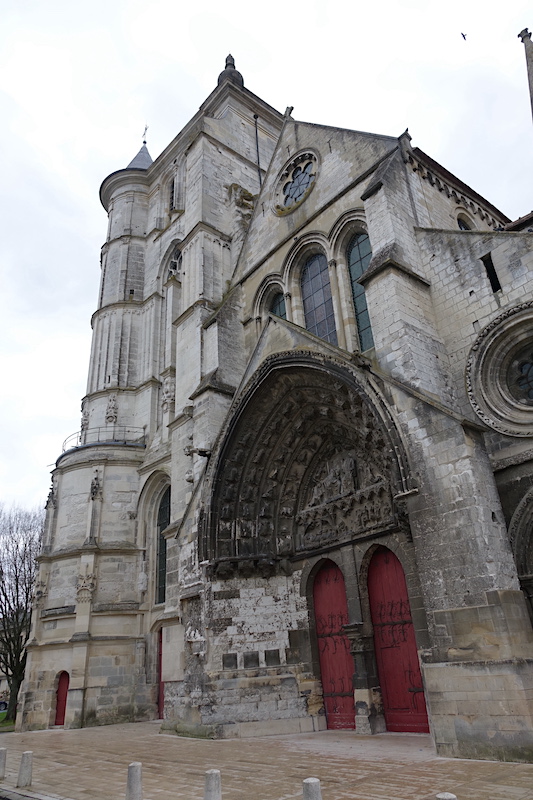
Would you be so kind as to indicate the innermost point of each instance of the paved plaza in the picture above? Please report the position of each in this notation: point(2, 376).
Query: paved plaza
point(91, 764)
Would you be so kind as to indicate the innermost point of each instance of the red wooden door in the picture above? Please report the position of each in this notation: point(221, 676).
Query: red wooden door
point(61, 698)
point(395, 645)
point(160, 684)
point(336, 662)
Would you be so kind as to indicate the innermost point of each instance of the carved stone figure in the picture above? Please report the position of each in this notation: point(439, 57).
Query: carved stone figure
point(111, 414)
point(84, 418)
point(85, 587)
point(168, 392)
point(96, 489)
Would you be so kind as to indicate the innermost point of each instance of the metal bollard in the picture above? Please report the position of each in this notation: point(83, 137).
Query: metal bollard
point(213, 785)
point(3, 756)
point(134, 786)
point(446, 796)
point(26, 762)
point(312, 789)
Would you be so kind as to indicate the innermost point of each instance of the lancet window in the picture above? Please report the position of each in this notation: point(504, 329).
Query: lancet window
point(358, 256)
point(277, 305)
point(317, 300)
point(163, 521)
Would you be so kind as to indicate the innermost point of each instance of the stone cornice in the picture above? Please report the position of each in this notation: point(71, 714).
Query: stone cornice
point(126, 179)
point(124, 548)
point(442, 180)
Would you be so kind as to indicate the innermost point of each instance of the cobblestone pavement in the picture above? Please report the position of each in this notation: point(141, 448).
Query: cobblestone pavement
point(91, 764)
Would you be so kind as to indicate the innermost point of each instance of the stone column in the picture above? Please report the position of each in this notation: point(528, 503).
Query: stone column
point(337, 303)
point(368, 705)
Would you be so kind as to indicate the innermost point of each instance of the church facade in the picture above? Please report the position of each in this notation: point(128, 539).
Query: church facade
point(302, 493)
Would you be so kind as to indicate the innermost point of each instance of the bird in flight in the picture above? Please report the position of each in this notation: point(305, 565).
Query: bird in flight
point(464, 36)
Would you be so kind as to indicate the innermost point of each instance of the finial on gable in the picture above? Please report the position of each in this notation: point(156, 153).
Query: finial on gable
point(230, 73)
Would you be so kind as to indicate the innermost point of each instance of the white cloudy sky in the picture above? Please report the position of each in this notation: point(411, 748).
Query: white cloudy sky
point(78, 81)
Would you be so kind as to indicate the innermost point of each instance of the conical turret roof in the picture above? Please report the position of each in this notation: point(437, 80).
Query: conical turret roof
point(142, 160)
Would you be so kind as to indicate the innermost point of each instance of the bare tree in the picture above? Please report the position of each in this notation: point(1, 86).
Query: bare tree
point(20, 542)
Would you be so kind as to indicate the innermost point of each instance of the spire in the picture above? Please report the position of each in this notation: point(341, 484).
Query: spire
point(230, 73)
point(528, 44)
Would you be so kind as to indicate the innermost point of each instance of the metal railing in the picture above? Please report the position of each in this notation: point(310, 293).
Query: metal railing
point(107, 434)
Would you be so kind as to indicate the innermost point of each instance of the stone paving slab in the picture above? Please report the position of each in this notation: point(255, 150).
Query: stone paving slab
point(91, 764)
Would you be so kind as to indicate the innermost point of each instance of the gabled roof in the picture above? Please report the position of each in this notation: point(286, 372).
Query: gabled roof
point(524, 223)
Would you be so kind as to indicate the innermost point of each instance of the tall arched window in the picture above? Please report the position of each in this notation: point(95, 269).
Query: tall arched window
point(172, 194)
point(277, 305)
point(358, 256)
point(163, 521)
point(316, 296)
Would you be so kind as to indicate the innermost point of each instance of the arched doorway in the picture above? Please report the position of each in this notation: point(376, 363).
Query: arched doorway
point(336, 662)
point(395, 645)
point(61, 698)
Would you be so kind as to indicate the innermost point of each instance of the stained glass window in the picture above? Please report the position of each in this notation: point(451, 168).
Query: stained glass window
point(520, 377)
point(317, 301)
point(277, 306)
point(301, 179)
point(163, 521)
point(358, 255)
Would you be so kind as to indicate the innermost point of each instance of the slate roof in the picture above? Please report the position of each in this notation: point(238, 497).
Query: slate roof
point(142, 160)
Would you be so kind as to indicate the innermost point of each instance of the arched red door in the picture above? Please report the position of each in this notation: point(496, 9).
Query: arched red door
point(336, 662)
point(61, 698)
point(395, 645)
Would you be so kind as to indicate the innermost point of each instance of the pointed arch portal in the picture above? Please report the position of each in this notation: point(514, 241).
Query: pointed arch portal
point(395, 645)
point(309, 460)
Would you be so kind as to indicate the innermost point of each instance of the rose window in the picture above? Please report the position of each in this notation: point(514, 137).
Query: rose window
point(300, 182)
point(295, 183)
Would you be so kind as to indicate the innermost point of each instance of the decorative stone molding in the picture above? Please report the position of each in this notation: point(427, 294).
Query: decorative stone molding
point(521, 535)
point(84, 417)
point(496, 383)
point(51, 501)
point(40, 590)
point(438, 180)
point(85, 587)
point(243, 207)
point(111, 414)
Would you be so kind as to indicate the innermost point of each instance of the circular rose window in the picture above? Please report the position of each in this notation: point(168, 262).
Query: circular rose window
point(499, 372)
point(295, 183)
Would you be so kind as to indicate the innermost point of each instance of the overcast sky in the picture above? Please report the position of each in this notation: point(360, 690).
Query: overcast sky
point(78, 82)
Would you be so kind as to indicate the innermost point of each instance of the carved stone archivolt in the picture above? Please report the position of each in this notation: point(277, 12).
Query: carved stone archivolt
point(521, 535)
point(499, 372)
point(309, 465)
